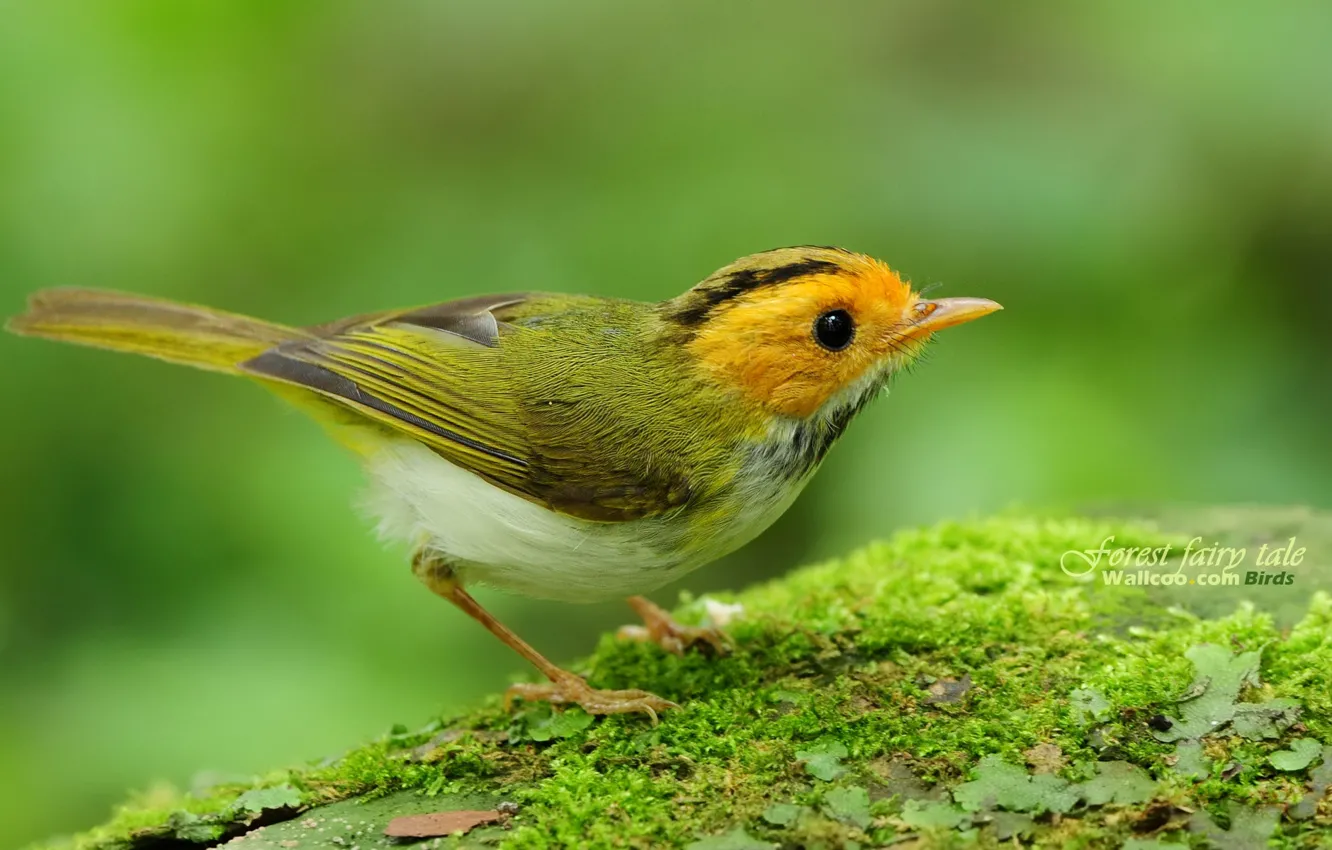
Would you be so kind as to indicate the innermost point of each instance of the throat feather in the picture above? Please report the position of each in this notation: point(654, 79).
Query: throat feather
point(797, 450)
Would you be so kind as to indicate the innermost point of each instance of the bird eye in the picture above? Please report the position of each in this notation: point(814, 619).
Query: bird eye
point(834, 330)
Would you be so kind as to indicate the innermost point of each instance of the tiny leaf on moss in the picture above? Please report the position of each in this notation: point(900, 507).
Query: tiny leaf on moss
point(545, 724)
point(1091, 703)
point(1117, 782)
point(262, 799)
point(1300, 755)
point(783, 814)
point(849, 805)
point(1248, 827)
point(924, 814)
point(1000, 784)
point(824, 760)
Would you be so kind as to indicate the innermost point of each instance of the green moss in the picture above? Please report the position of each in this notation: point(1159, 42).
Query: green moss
point(863, 692)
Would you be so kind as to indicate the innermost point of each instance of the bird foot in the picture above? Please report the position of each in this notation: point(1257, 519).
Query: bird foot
point(569, 688)
point(660, 628)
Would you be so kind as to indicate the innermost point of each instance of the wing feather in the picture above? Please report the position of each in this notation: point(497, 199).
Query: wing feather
point(437, 375)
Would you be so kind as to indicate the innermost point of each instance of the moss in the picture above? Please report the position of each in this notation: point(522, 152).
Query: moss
point(864, 691)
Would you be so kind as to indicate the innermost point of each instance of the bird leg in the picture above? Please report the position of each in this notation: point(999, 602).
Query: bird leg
point(564, 687)
point(660, 628)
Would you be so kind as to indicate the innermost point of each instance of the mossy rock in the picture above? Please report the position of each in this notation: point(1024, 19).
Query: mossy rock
point(951, 687)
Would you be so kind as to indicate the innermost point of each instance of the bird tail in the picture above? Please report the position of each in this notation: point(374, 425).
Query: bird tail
point(180, 333)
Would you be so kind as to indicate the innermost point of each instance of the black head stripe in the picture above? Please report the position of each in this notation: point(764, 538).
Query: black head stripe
point(728, 285)
point(790, 271)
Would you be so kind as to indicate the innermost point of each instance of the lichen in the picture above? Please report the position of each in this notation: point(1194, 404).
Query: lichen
point(904, 688)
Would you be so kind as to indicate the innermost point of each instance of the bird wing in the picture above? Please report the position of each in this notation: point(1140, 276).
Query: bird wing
point(436, 374)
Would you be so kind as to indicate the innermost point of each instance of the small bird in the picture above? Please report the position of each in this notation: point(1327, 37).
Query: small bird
point(569, 447)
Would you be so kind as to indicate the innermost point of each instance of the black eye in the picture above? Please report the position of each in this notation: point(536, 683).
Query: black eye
point(834, 330)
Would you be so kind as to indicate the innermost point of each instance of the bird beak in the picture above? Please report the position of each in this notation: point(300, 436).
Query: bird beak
point(946, 312)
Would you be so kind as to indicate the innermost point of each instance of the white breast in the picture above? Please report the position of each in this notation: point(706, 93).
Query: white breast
point(496, 538)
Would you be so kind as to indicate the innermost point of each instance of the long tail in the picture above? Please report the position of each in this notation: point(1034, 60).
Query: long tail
point(181, 333)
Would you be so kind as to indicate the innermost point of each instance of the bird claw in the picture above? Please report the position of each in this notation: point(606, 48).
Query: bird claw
point(660, 628)
point(573, 689)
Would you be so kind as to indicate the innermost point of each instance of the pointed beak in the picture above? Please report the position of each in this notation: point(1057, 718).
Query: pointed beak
point(946, 312)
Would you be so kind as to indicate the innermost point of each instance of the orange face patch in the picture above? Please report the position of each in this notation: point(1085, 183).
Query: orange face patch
point(764, 341)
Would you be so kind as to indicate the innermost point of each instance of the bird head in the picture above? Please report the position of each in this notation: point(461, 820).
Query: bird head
point(810, 332)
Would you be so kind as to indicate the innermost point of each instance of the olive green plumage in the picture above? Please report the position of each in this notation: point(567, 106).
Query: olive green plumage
point(591, 410)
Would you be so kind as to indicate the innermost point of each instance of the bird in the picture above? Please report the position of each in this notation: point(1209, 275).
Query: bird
point(569, 447)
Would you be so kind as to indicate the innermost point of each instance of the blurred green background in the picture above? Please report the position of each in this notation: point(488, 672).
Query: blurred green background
point(185, 582)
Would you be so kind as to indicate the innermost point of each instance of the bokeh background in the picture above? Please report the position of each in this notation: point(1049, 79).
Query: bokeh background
point(185, 583)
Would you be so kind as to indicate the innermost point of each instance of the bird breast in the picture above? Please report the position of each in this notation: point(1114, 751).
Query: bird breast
point(494, 537)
